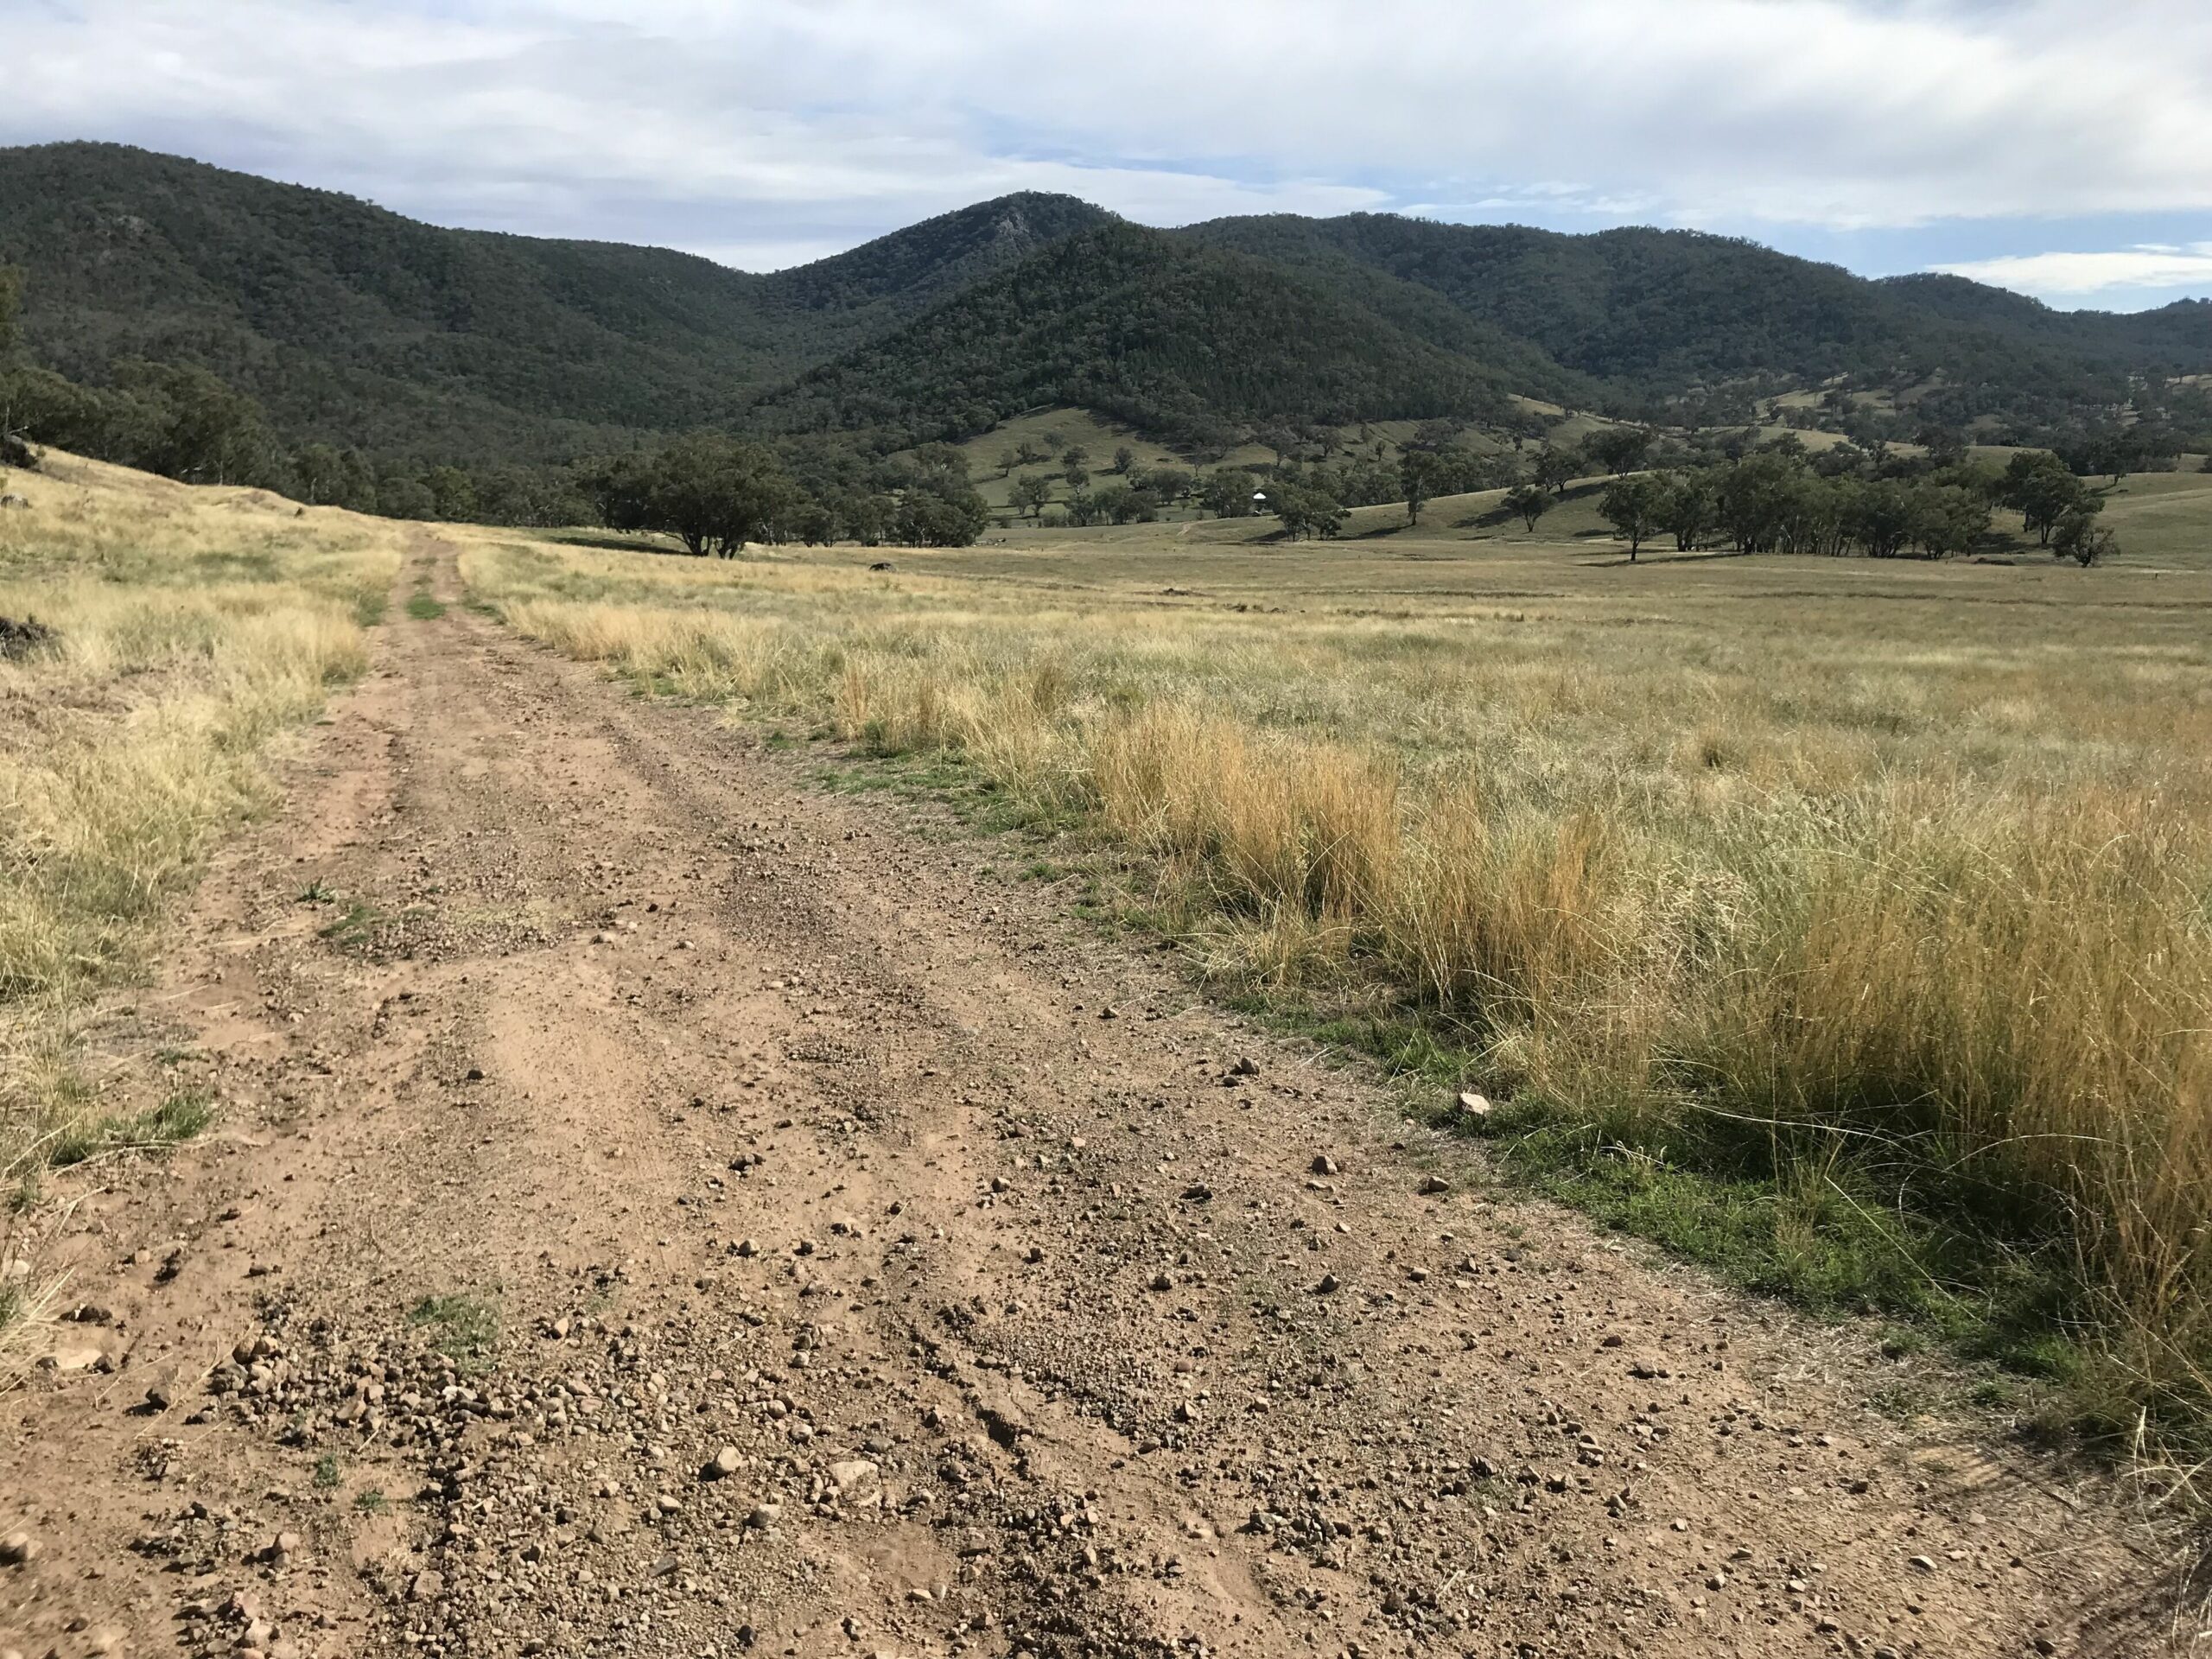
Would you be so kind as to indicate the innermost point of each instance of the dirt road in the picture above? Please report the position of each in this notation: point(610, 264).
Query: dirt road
point(881, 1265)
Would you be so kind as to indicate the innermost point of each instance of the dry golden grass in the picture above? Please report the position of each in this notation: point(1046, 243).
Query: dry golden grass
point(191, 627)
point(1889, 890)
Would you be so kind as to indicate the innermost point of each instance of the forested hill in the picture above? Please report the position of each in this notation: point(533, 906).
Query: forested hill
point(1652, 312)
point(357, 325)
point(1150, 328)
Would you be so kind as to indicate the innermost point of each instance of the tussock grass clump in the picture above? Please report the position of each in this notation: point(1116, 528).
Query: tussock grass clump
point(188, 629)
point(1796, 929)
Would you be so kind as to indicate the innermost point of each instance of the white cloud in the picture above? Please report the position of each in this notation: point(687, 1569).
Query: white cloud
point(2150, 267)
point(783, 127)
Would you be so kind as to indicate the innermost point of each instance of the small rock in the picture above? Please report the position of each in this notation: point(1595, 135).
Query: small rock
point(852, 1473)
point(426, 1586)
point(764, 1517)
point(1474, 1105)
point(1922, 1564)
point(1163, 1281)
point(18, 1549)
point(724, 1463)
point(1328, 1286)
point(1323, 1165)
point(1433, 1185)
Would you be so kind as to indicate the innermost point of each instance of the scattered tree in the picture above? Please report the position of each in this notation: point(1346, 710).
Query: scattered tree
point(1617, 449)
point(2042, 490)
point(1417, 474)
point(1529, 502)
point(1686, 510)
point(1227, 492)
point(714, 493)
point(1169, 483)
point(1307, 512)
point(1124, 458)
point(1555, 469)
point(2080, 538)
point(1031, 493)
point(1632, 506)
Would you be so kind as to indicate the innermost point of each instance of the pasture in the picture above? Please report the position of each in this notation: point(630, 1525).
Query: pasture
point(1844, 925)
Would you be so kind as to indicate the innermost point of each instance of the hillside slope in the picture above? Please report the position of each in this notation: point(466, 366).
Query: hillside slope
point(1148, 328)
point(1653, 312)
point(359, 327)
point(356, 325)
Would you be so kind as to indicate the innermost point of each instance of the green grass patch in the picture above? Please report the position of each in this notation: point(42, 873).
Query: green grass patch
point(354, 930)
point(460, 1327)
point(424, 607)
point(176, 1118)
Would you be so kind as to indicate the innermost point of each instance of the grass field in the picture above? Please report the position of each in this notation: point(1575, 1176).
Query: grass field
point(188, 628)
point(1054, 430)
point(1846, 925)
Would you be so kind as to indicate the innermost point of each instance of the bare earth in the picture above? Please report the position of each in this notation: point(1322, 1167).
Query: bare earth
point(995, 1267)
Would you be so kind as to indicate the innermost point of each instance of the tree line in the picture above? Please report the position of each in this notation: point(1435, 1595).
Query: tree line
point(712, 493)
point(1781, 499)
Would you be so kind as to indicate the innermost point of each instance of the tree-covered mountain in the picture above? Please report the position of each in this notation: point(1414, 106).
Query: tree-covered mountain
point(359, 327)
point(1653, 313)
point(353, 325)
point(1148, 327)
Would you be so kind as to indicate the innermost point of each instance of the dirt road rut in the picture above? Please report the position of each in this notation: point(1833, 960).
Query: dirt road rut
point(659, 1209)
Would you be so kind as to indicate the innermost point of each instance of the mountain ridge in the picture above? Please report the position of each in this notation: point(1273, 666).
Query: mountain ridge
point(357, 326)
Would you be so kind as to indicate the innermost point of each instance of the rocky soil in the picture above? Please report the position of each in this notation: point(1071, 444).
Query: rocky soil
point(658, 1208)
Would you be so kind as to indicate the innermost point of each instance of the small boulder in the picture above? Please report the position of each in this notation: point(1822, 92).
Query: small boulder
point(852, 1473)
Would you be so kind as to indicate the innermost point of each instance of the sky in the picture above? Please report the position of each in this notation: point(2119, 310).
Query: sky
point(2061, 148)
